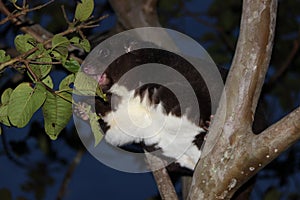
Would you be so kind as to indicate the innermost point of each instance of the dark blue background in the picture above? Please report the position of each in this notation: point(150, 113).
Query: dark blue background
point(93, 180)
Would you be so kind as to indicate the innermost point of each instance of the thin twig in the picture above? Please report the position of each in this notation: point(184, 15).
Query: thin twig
point(150, 6)
point(69, 174)
point(24, 3)
point(37, 31)
point(24, 11)
point(44, 63)
point(30, 70)
point(45, 43)
point(40, 6)
point(63, 97)
point(19, 58)
point(39, 38)
point(219, 30)
point(95, 21)
point(65, 15)
point(285, 65)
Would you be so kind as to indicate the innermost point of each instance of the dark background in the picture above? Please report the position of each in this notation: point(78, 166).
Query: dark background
point(34, 167)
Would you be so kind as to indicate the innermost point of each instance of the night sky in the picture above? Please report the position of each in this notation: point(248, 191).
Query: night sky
point(92, 179)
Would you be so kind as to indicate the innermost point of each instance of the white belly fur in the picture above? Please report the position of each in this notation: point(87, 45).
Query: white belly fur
point(135, 120)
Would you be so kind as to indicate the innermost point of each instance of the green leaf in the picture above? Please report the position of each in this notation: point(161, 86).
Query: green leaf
point(66, 95)
point(100, 93)
point(85, 44)
point(13, 1)
point(24, 101)
point(6, 95)
point(60, 47)
point(95, 126)
point(57, 113)
point(24, 43)
point(71, 65)
point(3, 56)
point(56, 55)
point(86, 85)
point(65, 83)
point(4, 115)
point(60, 53)
point(4, 106)
point(48, 81)
point(43, 69)
point(84, 10)
point(59, 40)
point(75, 40)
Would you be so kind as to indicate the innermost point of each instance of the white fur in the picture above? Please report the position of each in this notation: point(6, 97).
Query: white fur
point(135, 120)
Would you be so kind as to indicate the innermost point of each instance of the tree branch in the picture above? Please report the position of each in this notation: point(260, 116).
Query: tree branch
point(69, 174)
point(219, 30)
point(278, 137)
point(284, 66)
point(162, 178)
point(36, 31)
point(22, 12)
point(47, 44)
point(136, 13)
point(232, 160)
point(150, 6)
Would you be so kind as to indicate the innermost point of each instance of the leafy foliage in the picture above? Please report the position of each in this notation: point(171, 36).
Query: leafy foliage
point(24, 43)
point(24, 101)
point(4, 106)
point(37, 59)
point(71, 65)
point(60, 47)
point(85, 85)
point(97, 131)
point(84, 10)
point(43, 66)
point(3, 56)
point(57, 113)
point(48, 81)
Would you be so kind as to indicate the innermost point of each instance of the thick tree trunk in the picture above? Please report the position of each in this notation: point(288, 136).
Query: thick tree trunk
point(232, 153)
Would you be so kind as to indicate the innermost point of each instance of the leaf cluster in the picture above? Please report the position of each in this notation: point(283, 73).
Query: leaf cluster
point(37, 60)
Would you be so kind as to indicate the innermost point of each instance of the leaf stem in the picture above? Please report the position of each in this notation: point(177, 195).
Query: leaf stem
point(63, 97)
point(30, 70)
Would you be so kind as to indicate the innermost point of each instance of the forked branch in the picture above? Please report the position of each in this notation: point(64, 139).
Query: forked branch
point(229, 158)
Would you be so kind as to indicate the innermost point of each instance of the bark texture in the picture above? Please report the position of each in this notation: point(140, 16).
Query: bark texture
point(232, 153)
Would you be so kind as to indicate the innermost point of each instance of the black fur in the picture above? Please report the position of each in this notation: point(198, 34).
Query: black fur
point(160, 94)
